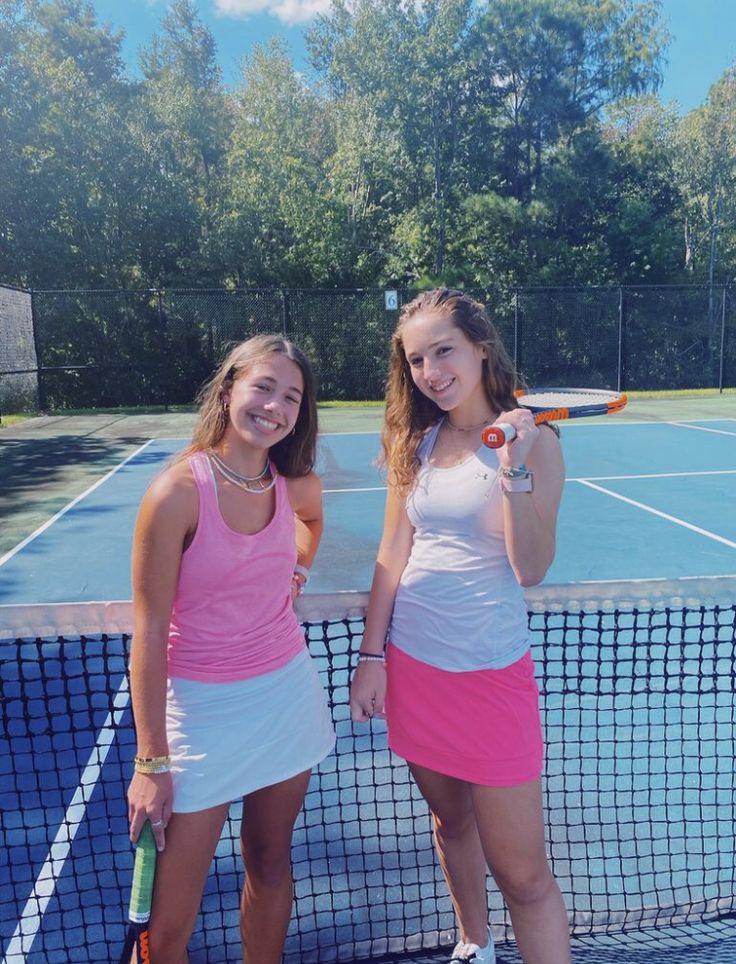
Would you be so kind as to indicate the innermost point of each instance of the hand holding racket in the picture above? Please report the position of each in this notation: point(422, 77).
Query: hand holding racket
point(556, 404)
point(141, 895)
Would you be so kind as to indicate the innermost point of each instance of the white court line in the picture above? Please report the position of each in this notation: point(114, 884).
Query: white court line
point(367, 431)
point(374, 488)
point(702, 428)
point(598, 421)
point(583, 478)
point(61, 512)
point(662, 515)
point(29, 922)
point(652, 475)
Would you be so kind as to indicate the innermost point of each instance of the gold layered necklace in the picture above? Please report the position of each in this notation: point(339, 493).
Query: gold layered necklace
point(468, 428)
point(257, 484)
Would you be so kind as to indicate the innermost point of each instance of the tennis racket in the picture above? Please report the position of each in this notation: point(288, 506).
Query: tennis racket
point(556, 404)
point(140, 898)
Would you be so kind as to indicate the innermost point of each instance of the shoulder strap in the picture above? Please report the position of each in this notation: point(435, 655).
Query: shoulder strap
point(424, 449)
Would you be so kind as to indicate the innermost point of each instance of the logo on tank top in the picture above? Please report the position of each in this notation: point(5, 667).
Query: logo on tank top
point(485, 477)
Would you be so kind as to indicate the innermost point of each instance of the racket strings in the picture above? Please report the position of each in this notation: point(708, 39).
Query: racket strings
point(567, 398)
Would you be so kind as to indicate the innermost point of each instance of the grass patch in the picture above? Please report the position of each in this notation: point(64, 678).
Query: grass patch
point(684, 393)
point(126, 410)
point(8, 420)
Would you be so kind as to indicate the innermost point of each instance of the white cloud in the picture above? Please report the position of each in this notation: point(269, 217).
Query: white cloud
point(288, 11)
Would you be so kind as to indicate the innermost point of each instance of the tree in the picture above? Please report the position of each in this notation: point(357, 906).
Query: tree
point(706, 171)
point(62, 93)
point(278, 226)
point(557, 64)
point(182, 126)
point(412, 63)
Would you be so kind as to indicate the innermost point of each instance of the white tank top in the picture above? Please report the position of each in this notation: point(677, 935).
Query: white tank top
point(459, 606)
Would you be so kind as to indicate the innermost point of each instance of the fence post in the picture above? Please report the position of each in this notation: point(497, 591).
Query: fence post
point(40, 387)
point(723, 340)
point(162, 332)
point(517, 332)
point(621, 381)
point(284, 312)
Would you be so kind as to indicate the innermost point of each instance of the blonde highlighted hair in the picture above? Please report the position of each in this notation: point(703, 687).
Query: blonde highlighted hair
point(294, 455)
point(409, 413)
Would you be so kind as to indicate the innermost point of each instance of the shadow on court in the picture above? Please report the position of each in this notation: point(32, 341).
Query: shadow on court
point(39, 476)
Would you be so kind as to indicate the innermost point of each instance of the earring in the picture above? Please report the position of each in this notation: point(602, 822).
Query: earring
point(225, 405)
point(293, 431)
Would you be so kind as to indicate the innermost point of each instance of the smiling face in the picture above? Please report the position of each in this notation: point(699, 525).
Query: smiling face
point(445, 364)
point(264, 402)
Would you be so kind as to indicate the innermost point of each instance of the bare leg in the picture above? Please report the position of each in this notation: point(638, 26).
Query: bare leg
point(181, 872)
point(458, 848)
point(268, 823)
point(511, 826)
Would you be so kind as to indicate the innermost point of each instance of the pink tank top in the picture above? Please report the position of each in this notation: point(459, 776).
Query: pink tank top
point(232, 617)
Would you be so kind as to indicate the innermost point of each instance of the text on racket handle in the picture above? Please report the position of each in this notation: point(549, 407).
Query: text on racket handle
point(498, 434)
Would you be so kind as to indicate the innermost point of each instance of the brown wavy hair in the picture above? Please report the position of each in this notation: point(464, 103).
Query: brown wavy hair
point(294, 455)
point(409, 413)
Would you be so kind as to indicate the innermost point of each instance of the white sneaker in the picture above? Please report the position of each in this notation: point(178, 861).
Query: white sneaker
point(471, 952)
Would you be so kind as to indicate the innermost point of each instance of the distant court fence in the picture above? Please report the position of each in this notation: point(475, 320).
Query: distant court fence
point(80, 349)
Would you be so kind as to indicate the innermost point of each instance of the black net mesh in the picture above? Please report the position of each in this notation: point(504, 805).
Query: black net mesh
point(639, 702)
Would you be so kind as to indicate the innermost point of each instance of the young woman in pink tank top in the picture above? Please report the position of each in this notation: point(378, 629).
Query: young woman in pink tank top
point(465, 528)
point(226, 699)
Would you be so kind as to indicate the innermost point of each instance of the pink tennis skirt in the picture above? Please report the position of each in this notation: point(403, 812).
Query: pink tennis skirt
point(481, 726)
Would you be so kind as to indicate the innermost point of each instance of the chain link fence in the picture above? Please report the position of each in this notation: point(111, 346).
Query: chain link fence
point(128, 348)
point(18, 362)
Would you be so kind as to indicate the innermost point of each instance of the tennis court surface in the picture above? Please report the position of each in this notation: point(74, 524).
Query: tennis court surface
point(635, 641)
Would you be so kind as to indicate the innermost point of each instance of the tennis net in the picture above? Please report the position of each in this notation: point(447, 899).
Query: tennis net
point(638, 688)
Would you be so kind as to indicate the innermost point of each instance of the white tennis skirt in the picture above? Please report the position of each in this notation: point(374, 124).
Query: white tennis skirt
point(228, 739)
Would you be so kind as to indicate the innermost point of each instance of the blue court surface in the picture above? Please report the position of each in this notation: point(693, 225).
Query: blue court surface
point(639, 712)
point(642, 501)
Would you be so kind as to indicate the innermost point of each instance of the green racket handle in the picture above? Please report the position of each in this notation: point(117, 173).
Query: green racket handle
point(141, 892)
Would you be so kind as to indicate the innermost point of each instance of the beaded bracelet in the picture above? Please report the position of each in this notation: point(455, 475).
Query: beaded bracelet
point(371, 658)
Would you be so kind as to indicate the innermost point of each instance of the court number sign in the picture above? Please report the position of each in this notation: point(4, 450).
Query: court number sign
point(391, 300)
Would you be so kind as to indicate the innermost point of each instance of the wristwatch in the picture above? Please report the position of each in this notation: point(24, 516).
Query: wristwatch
point(518, 479)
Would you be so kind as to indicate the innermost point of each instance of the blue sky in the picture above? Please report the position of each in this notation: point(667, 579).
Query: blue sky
point(703, 35)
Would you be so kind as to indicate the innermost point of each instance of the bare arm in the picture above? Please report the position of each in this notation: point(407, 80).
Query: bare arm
point(530, 519)
point(167, 515)
point(305, 495)
point(368, 689)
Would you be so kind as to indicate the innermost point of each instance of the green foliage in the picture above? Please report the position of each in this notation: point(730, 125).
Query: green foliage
point(517, 142)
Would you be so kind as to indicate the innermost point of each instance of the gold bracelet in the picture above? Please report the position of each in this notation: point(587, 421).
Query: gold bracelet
point(143, 767)
point(152, 764)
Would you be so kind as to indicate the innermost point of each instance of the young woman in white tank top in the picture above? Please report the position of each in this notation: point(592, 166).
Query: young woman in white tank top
point(445, 654)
